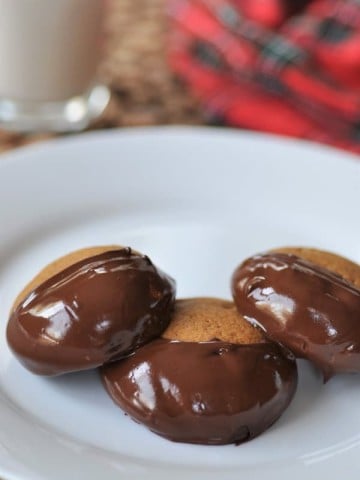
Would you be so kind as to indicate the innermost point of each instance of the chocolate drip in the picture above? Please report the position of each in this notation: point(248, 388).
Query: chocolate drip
point(310, 310)
point(209, 392)
point(96, 311)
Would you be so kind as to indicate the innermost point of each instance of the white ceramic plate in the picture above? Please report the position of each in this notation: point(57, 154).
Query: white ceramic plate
point(198, 201)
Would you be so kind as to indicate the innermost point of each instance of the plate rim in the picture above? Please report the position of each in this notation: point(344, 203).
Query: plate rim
point(18, 152)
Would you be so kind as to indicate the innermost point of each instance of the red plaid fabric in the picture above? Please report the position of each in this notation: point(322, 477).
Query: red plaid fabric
point(283, 66)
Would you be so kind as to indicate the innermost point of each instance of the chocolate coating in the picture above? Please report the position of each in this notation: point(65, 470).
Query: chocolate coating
point(209, 392)
point(96, 311)
point(310, 310)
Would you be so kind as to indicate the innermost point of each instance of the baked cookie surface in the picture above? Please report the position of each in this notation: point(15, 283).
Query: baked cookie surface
point(205, 319)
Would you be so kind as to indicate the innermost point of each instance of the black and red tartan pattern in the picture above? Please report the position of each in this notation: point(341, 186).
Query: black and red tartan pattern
point(283, 66)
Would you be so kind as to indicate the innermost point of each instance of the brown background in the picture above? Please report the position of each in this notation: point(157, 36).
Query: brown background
point(144, 92)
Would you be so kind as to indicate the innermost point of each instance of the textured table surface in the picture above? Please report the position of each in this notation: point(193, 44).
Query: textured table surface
point(144, 92)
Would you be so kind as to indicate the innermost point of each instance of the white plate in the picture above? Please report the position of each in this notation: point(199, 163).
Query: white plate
point(198, 201)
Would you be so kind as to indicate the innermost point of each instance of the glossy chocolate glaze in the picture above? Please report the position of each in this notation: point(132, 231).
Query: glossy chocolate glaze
point(310, 310)
point(96, 311)
point(209, 392)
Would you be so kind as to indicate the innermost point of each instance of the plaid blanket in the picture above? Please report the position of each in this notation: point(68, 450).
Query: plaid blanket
point(290, 67)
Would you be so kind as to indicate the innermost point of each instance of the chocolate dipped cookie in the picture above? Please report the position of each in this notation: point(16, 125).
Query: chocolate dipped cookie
point(88, 308)
point(306, 299)
point(212, 379)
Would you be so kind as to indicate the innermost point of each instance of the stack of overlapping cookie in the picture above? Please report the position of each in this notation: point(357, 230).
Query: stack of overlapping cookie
point(200, 370)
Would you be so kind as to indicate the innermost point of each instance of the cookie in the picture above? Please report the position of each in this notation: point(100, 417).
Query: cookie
point(206, 319)
point(88, 308)
point(307, 300)
point(189, 389)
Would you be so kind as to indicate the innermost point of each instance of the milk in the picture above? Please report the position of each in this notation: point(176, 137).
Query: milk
point(49, 49)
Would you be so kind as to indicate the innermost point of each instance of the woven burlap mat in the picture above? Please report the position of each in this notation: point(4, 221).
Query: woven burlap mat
point(144, 91)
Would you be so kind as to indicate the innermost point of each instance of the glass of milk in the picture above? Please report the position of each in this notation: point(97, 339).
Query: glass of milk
point(49, 54)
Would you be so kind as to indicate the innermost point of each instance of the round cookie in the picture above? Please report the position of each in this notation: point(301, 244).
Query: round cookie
point(307, 300)
point(88, 308)
point(188, 389)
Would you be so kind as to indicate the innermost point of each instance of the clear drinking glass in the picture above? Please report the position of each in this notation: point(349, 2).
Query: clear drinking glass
point(49, 54)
